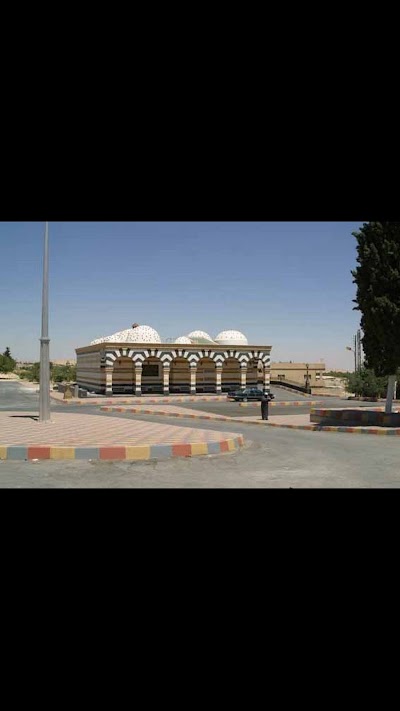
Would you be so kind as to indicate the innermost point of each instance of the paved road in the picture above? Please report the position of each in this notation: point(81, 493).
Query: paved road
point(271, 458)
point(14, 396)
point(286, 394)
point(233, 409)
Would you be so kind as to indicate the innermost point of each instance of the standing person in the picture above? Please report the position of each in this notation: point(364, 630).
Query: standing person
point(264, 406)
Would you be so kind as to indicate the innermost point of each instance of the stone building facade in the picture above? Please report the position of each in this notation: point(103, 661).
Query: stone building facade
point(298, 373)
point(136, 361)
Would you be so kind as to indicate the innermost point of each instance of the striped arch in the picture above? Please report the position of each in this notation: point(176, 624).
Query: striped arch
point(246, 357)
point(110, 359)
point(138, 356)
point(193, 357)
point(179, 353)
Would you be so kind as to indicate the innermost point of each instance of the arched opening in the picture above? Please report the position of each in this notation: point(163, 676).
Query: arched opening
point(230, 374)
point(254, 378)
point(179, 377)
point(123, 381)
point(152, 376)
point(206, 380)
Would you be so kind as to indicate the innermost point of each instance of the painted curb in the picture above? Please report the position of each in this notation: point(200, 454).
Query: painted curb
point(330, 428)
point(279, 403)
point(373, 416)
point(120, 452)
point(327, 428)
point(145, 399)
point(189, 416)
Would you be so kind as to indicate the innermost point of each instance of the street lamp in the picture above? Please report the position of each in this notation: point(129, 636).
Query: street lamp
point(44, 387)
point(355, 357)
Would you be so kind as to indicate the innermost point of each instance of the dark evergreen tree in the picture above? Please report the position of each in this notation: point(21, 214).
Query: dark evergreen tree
point(378, 297)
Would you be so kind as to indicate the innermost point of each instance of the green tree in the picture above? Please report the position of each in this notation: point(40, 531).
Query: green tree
point(338, 373)
point(378, 298)
point(7, 362)
point(63, 373)
point(24, 374)
point(35, 372)
point(365, 383)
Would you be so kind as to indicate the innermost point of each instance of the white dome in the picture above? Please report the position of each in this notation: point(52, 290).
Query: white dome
point(183, 339)
point(200, 334)
point(231, 338)
point(105, 339)
point(139, 334)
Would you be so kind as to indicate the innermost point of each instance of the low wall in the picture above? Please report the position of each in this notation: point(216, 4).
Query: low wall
point(329, 392)
point(354, 417)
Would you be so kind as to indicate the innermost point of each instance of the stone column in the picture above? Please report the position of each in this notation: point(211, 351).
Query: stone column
point(166, 371)
point(243, 375)
point(138, 379)
point(109, 380)
point(193, 373)
point(267, 379)
point(218, 375)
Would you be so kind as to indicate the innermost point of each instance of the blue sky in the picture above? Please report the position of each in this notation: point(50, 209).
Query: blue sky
point(285, 284)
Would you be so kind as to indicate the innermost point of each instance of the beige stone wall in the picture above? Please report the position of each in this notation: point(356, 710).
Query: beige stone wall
point(124, 372)
point(179, 373)
point(230, 373)
point(296, 372)
point(89, 372)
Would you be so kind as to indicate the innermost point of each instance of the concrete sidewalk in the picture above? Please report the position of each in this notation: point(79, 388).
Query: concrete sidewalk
point(186, 412)
point(78, 436)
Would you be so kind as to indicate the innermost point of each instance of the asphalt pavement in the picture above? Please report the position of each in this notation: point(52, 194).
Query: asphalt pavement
point(234, 409)
point(271, 458)
point(15, 396)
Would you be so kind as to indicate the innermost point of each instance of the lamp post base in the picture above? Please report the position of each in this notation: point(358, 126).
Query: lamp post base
point(44, 391)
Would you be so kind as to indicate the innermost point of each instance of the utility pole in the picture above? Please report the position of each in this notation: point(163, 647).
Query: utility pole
point(355, 354)
point(359, 349)
point(44, 387)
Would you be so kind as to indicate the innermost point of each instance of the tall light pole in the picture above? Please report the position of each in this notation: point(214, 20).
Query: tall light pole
point(44, 388)
point(353, 350)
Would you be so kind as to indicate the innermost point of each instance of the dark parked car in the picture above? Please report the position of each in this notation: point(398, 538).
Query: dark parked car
point(247, 394)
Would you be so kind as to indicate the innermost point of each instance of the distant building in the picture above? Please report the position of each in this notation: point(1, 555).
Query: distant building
point(136, 361)
point(22, 364)
point(69, 361)
point(296, 373)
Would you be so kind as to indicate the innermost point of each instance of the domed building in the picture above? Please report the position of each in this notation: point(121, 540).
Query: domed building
point(137, 361)
point(136, 334)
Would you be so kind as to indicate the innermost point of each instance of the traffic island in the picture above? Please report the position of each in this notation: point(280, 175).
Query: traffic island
point(354, 417)
point(90, 437)
point(292, 421)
